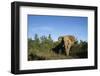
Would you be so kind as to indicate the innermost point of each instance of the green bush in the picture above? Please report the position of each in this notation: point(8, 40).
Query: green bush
point(80, 50)
point(41, 48)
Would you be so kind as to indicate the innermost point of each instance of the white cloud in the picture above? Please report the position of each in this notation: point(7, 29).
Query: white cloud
point(42, 28)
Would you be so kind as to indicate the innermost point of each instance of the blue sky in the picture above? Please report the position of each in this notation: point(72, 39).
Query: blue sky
point(58, 26)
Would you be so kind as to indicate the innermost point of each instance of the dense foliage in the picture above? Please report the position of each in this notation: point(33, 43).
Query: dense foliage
point(41, 48)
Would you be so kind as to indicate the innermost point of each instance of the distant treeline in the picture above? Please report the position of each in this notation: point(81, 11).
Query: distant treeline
point(41, 49)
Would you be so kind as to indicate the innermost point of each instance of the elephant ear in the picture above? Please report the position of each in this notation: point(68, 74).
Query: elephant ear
point(72, 38)
point(60, 38)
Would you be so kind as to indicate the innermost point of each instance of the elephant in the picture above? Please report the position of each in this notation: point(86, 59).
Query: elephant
point(67, 42)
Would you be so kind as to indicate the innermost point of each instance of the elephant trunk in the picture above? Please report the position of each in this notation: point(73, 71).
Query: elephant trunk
point(67, 48)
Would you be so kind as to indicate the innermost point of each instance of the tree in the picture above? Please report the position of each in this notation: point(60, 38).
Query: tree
point(50, 41)
point(49, 37)
point(36, 38)
point(43, 39)
point(30, 43)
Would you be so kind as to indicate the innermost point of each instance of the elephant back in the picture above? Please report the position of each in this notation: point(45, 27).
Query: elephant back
point(72, 38)
point(69, 38)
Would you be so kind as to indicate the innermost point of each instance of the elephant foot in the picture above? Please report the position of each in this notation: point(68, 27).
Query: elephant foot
point(67, 54)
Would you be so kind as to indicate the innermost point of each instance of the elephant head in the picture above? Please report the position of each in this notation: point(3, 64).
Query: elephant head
point(68, 41)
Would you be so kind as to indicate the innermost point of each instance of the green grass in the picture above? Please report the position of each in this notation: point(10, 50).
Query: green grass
point(47, 55)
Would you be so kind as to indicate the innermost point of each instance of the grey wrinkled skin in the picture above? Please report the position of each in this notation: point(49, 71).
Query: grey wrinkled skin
point(68, 42)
